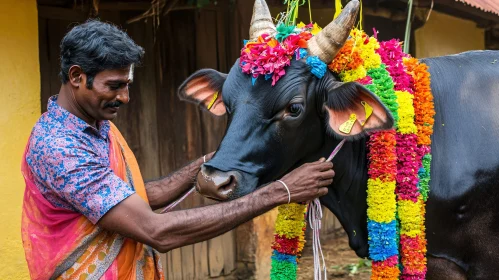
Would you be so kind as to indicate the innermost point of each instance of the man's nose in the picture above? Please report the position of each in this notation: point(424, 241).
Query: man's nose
point(124, 96)
point(216, 184)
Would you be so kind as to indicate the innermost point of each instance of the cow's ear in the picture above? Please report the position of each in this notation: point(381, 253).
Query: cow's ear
point(352, 110)
point(204, 88)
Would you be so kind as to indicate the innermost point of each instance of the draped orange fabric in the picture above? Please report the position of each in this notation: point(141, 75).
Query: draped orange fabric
point(62, 244)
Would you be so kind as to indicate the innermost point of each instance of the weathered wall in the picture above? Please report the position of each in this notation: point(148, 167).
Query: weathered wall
point(444, 34)
point(20, 95)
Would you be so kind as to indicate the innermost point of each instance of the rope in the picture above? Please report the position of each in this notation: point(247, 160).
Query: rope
point(171, 206)
point(314, 218)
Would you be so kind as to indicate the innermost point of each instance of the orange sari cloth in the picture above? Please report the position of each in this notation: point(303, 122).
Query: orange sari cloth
point(62, 244)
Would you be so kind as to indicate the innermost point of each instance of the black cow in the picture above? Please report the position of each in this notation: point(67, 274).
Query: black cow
point(272, 130)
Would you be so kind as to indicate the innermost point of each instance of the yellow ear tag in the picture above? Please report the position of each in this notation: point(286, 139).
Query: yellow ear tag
point(369, 112)
point(346, 127)
point(215, 96)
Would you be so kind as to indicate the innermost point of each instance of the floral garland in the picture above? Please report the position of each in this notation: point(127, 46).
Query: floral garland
point(399, 160)
point(289, 241)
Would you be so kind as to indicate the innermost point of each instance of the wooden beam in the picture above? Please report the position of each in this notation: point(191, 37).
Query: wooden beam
point(385, 13)
point(61, 13)
point(125, 6)
point(137, 6)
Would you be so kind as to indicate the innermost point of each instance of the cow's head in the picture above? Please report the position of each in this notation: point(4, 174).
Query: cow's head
point(273, 128)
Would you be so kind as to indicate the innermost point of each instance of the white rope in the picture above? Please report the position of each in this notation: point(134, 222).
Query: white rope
point(289, 193)
point(314, 218)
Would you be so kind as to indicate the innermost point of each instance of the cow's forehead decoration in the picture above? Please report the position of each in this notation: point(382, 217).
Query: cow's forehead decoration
point(269, 55)
point(271, 49)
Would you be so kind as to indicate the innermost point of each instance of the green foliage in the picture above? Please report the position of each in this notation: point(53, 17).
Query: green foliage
point(364, 265)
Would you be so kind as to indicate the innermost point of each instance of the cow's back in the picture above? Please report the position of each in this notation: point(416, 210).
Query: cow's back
point(463, 208)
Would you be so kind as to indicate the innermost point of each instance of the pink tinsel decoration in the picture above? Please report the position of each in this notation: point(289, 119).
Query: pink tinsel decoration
point(365, 81)
point(392, 56)
point(407, 167)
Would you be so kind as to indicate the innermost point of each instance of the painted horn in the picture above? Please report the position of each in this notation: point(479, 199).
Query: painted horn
point(331, 39)
point(261, 22)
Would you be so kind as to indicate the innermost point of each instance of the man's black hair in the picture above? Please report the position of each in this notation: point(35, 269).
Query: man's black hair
point(96, 46)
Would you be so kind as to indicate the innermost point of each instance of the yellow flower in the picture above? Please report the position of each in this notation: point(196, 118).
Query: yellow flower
point(406, 112)
point(300, 25)
point(410, 217)
point(353, 75)
point(372, 60)
point(316, 29)
point(381, 200)
point(290, 220)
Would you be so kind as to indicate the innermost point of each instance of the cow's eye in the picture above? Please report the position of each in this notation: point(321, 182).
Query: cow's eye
point(295, 109)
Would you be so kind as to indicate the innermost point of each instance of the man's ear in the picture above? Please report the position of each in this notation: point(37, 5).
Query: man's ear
point(352, 110)
point(204, 88)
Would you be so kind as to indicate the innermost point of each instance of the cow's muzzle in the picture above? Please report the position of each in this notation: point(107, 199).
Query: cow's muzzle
point(216, 184)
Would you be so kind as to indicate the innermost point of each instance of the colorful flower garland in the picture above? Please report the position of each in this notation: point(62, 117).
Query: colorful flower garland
point(289, 241)
point(399, 160)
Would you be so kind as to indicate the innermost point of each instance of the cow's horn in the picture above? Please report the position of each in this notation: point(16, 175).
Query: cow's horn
point(261, 22)
point(331, 39)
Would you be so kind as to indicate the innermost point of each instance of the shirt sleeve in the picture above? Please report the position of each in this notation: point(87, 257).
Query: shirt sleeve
point(77, 175)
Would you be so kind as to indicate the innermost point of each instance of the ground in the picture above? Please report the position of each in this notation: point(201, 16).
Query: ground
point(341, 261)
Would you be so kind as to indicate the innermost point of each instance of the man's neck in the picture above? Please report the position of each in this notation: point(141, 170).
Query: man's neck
point(67, 100)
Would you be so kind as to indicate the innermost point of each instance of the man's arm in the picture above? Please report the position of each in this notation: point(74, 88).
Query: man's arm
point(166, 190)
point(133, 218)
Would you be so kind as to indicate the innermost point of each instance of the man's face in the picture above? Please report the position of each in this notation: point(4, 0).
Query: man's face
point(108, 93)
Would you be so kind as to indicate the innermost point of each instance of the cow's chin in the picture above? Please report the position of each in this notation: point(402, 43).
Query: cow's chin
point(362, 252)
point(246, 185)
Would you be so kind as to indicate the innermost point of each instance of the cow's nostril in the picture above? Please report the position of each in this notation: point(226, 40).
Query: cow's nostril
point(216, 184)
point(228, 186)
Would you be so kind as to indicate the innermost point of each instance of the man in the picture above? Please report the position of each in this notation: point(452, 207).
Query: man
point(87, 214)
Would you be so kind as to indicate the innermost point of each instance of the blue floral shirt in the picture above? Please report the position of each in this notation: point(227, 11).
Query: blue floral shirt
point(69, 160)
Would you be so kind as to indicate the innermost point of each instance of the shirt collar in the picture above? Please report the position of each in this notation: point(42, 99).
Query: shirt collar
point(73, 122)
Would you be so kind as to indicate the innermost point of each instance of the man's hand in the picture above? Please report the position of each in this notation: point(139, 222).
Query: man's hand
point(309, 181)
point(209, 156)
point(166, 190)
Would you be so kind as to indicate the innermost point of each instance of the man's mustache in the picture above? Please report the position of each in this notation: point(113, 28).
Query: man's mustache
point(113, 104)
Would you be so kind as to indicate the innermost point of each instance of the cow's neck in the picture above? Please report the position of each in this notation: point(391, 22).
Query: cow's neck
point(347, 195)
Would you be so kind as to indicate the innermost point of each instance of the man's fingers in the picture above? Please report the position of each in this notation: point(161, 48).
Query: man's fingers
point(323, 191)
point(325, 183)
point(328, 174)
point(325, 166)
point(320, 161)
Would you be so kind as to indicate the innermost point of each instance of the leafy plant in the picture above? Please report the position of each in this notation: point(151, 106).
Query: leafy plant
point(354, 268)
